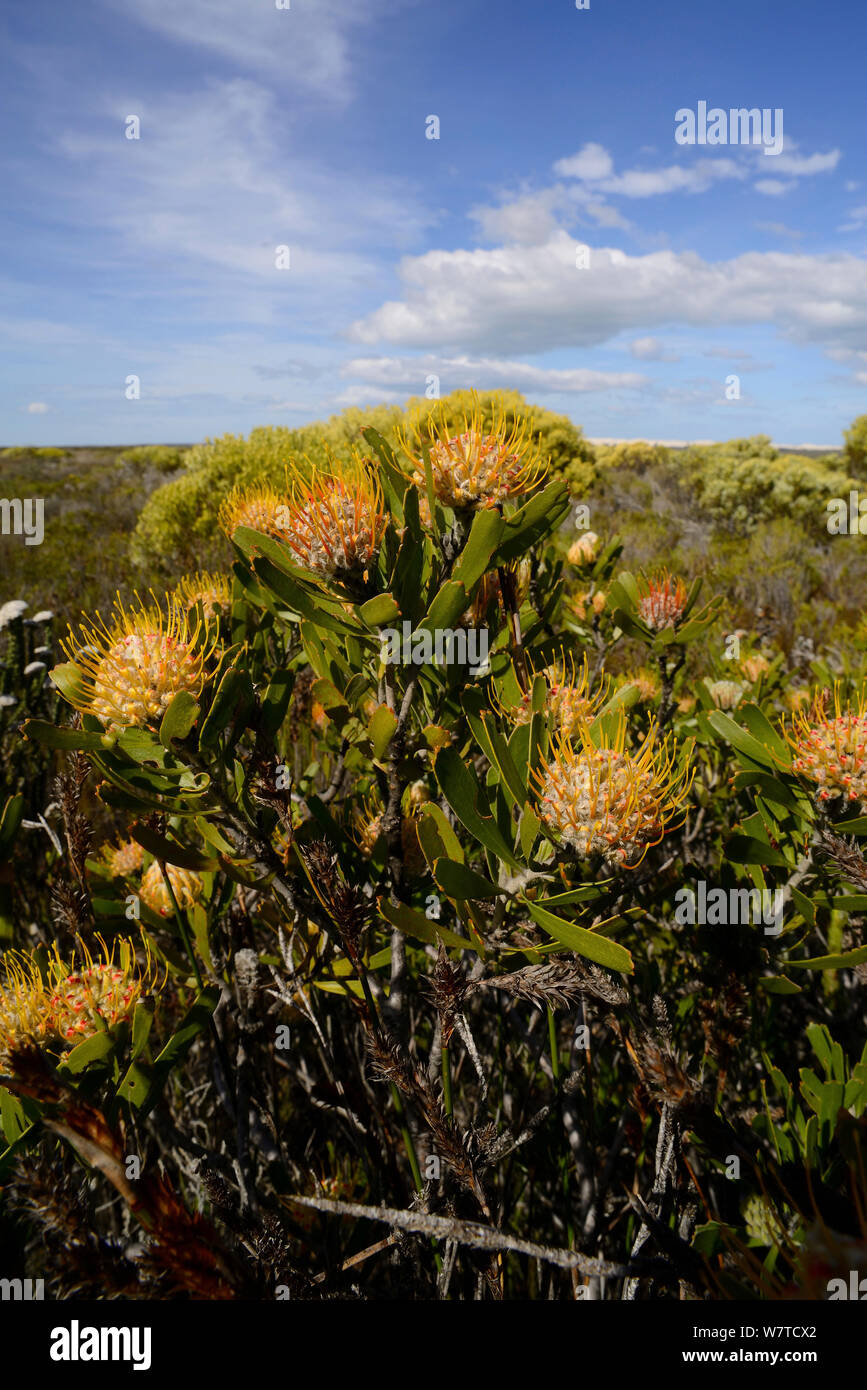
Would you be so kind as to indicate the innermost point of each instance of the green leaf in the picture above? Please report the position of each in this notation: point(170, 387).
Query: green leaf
point(778, 984)
point(95, 1049)
point(448, 606)
point(169, 852)
point(379, 611)
point(451, 845)
point(69, 679)
point(758, 724)
point(381, 730)
point(743, 849)
point(741, 740)
point(583, 942)
point(232, 703)
point(461, 882)
point(416, 924)
point(179, 718)
point(68, 739)
point(484, 537)
point(534, 521)
point(10, 822)
point(839, 962)
point(463, 792)
point(275, 701)
point(142, 1020)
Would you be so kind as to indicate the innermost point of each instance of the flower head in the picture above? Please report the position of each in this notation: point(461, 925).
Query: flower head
point(212, 591)
point(585, 549)
point(132, 670)
point(646, 682)
point(661, 600)
point(335, 522)
point(611, 800)
point(725, 694)
point(123, 859)
point(60, 1003)
point(830, 746)
point(186, 885)
point(568, 701)
point(478, 467)
point(257, 507)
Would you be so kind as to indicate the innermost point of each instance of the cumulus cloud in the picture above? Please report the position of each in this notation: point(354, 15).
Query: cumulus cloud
point(532, 299)
point(38, 408)
point(484, 373)
point(774, 187)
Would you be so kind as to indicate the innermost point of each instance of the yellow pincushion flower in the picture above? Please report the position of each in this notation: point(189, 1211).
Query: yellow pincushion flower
point(133, 669)
point(611, 800)
point(257, 506)
point(568, 701)
point(335, 522)
point(478, 467)
point(68, 1001)
point(212, 591)
point(831, 747)
point(186, 885)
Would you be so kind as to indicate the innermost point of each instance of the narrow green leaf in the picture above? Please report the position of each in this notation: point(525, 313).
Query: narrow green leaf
point(584, 943)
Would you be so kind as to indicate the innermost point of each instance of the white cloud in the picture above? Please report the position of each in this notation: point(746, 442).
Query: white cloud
point(309, 45)
point(774, 187)
point(532, 299)
point(526, 220)
point(593, 165)
point(591, 162)
point(651, 350)
point(38, 408)
point(779, 229)
point(484, 373)
point(210, 184)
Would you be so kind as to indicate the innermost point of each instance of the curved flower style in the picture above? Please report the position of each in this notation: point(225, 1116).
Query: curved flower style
point(132, 670)
point(257, 506)
point(831, 748)
point(186, 885)
point(612, 800)
point(212, 591)
point(64, 1002)
point(478, 467)
point(334, 523)
point(661, 600)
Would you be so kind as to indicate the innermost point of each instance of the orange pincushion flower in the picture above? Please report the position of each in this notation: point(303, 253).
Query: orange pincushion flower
point(186, 885)
point(477, 467)
point(335, 522)
point(661, 600)
point(610, 800)
point(831, 747)
point(257, 506)
point(132, 670)
point(64, 1002)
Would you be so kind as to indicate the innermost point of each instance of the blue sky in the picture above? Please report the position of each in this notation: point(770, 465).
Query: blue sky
point(411, 257)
